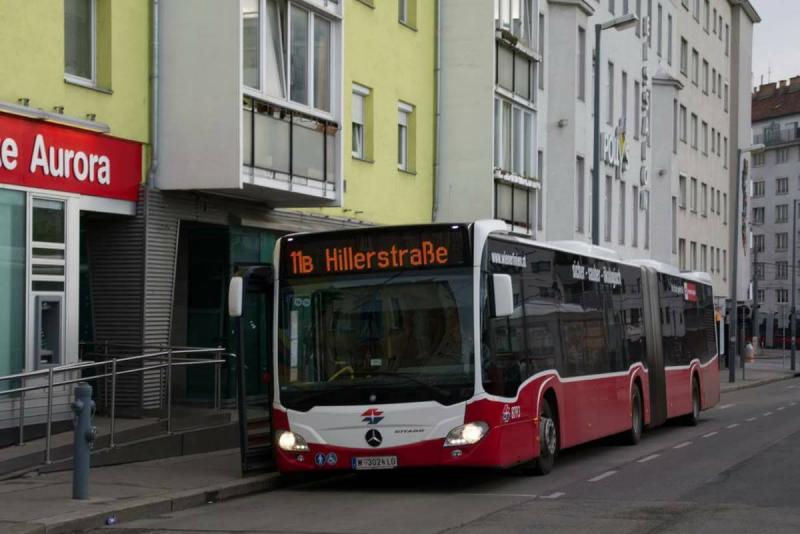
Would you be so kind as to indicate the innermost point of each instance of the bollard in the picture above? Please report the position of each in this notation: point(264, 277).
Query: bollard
point(83, 410)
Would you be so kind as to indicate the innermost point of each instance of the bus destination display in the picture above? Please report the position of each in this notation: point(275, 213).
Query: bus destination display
point(370, 251)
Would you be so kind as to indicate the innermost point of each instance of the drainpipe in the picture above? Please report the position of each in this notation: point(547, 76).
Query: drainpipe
point(151, 172)
point(437, 141)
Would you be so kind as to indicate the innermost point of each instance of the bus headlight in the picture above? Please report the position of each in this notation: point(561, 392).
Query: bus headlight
point(291, 442)
point(468, 434)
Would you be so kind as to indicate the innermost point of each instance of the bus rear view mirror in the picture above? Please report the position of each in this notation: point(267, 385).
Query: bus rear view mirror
point(235, 290)
point(503, 295)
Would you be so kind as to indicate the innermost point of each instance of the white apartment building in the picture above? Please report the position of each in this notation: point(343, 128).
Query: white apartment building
point(672, 114)
point(775, 178)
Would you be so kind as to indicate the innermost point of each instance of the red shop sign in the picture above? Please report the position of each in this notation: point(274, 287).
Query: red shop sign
point(690, 291)
point(49, 156)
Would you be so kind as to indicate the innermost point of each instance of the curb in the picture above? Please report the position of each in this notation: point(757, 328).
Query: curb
point(143, 507)
point(757, 383)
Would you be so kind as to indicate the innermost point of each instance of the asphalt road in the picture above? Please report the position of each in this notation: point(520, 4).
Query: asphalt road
point(738, 471)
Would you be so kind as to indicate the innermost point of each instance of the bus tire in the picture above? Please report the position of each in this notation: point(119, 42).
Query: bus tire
point(693, 417)
point(548, 440)
point(634, 435)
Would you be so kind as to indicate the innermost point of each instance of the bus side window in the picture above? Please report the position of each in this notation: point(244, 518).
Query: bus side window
point(501, 373)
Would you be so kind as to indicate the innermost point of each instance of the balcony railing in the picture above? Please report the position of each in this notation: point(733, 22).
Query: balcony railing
point(776, 136)
point(288, 144)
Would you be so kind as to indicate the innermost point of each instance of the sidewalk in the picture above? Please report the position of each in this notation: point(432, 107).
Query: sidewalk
point(762, 371)
point(43, 504)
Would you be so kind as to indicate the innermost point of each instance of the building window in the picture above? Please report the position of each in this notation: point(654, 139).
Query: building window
point(675, 125)
point(706, 15)
point(684, 56)
point(782, 155)
point(515, 72)
point(781, 241)
point(705, 77)
point(514, 134)
point(782, 213)
point(725, 264)
point(637, 109)
point(696, 10)
point(717, 262)
point(541, 52)
point(719, 85)
point(404, 120)
point(406, 12)
point(610, 114)
point(757, 157)
point(694, 196)
point(759, 271)
point(639, 17)
point(80, 38)
point(726, 98)
point(540, 197)
point(693, 255)
point(683, 123)
point(782, 295)
point(359, 121)
point(713, 140)
point(724, 208)
point(298, 70)
point(650, 24)
point(580, 194)
point(682, 192)
point(622, 206)
point(719, 204)
point(725, 157)
point(758, 215)
point(713, 81)
point(781, 270)
point(609, 203)
point(703, 258)
point(659, 42)
point(635, 216)
point(694, 131)
point(781, 186)
point(727, 39)
point(624, 112)
point(682, 254)
point(705, 138)
point(581, 64)
point(704, 200)
point(515, 17)
point(513, 204)
point(611, 6)
point(669, 40)
point(758, 242)
point(695, 66)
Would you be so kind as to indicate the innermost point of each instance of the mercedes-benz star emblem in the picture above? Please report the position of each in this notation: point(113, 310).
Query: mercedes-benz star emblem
point(374, 438)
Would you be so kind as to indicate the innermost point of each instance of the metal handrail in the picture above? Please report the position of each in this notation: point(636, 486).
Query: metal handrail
point(167, 354)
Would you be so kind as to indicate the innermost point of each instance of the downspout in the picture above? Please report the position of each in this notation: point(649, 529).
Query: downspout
point(437, 140)
point(151, 173)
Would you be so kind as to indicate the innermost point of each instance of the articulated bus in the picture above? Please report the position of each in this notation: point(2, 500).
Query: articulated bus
point(467, 345)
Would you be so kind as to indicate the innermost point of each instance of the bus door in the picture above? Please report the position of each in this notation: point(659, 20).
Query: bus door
point(253, 326)
point(655, 348)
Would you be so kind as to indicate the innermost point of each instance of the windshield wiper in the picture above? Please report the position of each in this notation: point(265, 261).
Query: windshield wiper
point(411, 378)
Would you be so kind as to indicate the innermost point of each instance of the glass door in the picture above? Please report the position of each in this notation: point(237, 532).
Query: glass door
point(12, 282)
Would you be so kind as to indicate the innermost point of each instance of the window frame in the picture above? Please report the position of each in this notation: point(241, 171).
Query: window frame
point(404, 111)
point(80, 80)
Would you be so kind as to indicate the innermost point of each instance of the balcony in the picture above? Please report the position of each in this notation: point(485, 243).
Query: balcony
point(291, 154)
point(778, 136)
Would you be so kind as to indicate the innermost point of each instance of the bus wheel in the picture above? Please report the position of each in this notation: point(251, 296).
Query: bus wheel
point(633, 435)
point(694, 416)
point(548, 440)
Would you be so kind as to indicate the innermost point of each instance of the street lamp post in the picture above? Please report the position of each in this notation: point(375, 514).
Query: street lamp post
point(734, 268)
point(618, 23)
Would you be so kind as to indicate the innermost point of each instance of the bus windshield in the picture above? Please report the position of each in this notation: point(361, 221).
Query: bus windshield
point(403, 336)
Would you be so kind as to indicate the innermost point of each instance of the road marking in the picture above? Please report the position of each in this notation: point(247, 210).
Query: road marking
point(682, 445)
point(734, 425)
point(790, 387)
point(648, 458)
point(793, 404)
point(750, 419)
point(767, 414)
point(598, 478)
point(711, 434)
point(555, 495)
point(726, 406)
point(514, 495)
point(781, 408)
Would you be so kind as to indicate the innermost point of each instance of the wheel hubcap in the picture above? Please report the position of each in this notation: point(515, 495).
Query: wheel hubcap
point(549, 435)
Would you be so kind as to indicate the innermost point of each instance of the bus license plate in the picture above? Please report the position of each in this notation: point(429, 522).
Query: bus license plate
point(375, 462)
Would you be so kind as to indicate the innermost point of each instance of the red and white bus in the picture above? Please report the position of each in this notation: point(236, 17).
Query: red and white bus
point(467, 345)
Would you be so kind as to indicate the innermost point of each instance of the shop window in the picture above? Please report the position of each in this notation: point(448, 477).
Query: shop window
point(12, 282)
